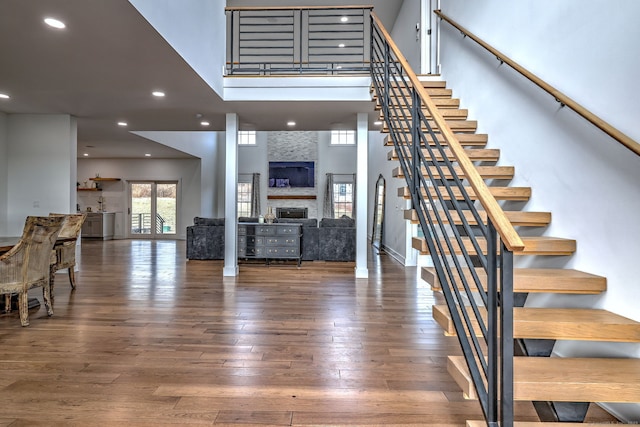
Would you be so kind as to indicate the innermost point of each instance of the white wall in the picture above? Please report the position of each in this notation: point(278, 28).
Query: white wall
point(404, 32)
point(40, 150)
point(185, 171)
point(205, 146)
point(4, 178)
point(195, 29)
point(394, 238)
point(587, 180)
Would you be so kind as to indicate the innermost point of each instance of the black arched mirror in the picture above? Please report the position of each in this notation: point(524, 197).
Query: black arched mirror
point(378, 214)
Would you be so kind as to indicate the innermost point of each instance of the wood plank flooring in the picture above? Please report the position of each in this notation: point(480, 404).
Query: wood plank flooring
point(149, 338)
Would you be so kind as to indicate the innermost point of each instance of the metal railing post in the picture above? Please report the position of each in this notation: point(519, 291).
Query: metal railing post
point(506, 337)
point(415, 145)
point(492, 325)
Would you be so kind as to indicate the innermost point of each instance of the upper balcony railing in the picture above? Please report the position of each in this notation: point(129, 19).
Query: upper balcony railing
point(298, 40)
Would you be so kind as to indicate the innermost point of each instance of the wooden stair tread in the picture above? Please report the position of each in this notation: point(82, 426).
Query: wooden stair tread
point(486, 172)
point(398, 95)
point(517, 218)
point(465, 139)
point(447, 113)
point(478, 423)
point(537, 245)
point(433, 92)
point(535, 280)
point(561, 379)
point(474, 154)
point(440, 103)
point(578, 324)
point(455, 126)
point(430, 83)
point(500, 193)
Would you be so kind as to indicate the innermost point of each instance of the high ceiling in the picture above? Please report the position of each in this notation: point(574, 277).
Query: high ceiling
point(102, 68)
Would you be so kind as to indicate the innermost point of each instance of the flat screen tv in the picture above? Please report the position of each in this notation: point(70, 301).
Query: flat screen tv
point(291, 174)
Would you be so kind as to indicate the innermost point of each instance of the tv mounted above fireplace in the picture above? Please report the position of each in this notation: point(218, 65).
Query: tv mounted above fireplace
point(291, 174)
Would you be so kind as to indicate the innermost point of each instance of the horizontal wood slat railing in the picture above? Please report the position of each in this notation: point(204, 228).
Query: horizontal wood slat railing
point(302, 40)
point(249, 8)
point(563, 99)
point(503, 226)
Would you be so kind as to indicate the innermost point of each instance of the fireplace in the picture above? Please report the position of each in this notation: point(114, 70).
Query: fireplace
point(291, 212)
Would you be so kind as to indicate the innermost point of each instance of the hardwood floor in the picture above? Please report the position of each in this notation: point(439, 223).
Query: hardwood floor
point(149, 338)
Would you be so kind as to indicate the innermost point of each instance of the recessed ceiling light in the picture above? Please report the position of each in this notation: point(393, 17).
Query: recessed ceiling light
point(122, 124)
point(377, 123)
point(344, 19)
point(158, 93)
point(147, 154)
point(291, 123)
point(55, 23)
point(4, 96)
point(339, 67)
point(86, 154)
point(205, 123)
point(341, 45)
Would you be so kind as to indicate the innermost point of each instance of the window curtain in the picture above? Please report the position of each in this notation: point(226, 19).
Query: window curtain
point(327, 208)
point(255, 195)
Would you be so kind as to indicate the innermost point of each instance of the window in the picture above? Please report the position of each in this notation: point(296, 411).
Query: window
point(343, 199)
point(343, 137)
point(244, 199)
point(247, 137)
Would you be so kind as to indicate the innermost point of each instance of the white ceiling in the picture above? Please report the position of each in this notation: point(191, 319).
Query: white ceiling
point(103, 66)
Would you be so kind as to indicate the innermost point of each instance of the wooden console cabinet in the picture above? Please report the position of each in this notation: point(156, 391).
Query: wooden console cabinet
point(269, 241)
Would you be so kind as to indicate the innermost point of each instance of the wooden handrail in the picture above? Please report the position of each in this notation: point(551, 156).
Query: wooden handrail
point(256, 8)
point(503, 226)
point(563, 99)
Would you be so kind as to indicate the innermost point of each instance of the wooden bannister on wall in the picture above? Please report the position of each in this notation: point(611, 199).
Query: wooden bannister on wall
point(563, 99)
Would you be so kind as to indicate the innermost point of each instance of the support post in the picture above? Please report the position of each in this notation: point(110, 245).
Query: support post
point(230, 196)
point(362, 171)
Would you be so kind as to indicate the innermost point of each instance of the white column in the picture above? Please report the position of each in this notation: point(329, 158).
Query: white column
point(230, 203)
point(362, 171)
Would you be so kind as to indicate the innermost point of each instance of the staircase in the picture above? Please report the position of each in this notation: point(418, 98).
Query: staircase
point(543, 378)
point(458, 229)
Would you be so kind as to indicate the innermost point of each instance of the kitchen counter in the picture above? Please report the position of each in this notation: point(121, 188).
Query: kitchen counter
point(99, 225)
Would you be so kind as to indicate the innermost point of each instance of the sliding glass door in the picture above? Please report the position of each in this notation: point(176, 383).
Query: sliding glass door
point(153, 209)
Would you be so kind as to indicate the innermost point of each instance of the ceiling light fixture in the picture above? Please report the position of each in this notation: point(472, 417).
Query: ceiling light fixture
point(344, 19)
point(292, 123)
point(205, 123)
point(377, 123)
point(123, 124)
point(86, 154)
point(55, 23)
point(4, 96)
point(341, 45)
point(158, 93)
point(147, 155)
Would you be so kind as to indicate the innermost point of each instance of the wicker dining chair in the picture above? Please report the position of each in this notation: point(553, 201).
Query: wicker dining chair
point(65, 252)
point(27, 264)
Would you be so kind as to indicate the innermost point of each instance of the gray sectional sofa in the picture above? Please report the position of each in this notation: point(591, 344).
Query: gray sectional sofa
point(333, 239)
point(205, 238)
